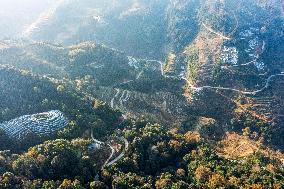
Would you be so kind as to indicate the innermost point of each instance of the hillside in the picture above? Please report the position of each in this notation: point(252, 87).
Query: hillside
point(112, 23)
point(130, 94)
point(24, 93)
point(107, 74)
point(17, 16)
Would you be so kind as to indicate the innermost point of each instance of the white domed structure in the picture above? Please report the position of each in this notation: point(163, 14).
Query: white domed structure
point(42, 124)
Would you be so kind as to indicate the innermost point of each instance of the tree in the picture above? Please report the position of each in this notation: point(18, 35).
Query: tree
point(49, 185)
point(202, 174)
point(26, 166)
point(216, 181)
point(8, 181)
point(5, 141)
point(68, 184)
point(98, 185)
point(164, 182)
point(180, 185)
point(131, 181)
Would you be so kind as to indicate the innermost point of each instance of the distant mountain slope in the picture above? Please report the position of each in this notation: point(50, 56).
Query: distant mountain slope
point(17, 15)
point(136, 27)
point(238, 51)
point(149, 29)
point(141, 87)
point(158, 94)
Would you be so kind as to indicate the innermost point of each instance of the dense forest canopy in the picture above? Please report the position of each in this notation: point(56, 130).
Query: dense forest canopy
point(141, 94)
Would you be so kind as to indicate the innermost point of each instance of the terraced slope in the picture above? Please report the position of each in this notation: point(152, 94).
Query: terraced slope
point(135, 86)
point(41, 124)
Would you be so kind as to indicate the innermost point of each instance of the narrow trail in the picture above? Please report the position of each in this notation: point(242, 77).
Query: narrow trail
point(127, 96)
point(121, 98)
point(245, 64)
point(267, 83)
point(95, 140)
point(150, 60)
point(128, 81)
point(125, 93)
point(162, 69)
point(216, 33)
point(110, 156)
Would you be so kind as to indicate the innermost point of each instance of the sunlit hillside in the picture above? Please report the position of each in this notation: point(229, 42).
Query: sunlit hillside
point(17, 15)
point(141, 94)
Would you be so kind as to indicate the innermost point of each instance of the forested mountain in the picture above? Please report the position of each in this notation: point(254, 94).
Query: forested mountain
point(164, 94)
point(94, 70)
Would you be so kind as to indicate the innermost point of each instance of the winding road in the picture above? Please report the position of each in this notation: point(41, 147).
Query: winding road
point(110, 156)
point(112, 100)
point(126, 146)
point(125, 95)
point(267, 84)
point(139, 74)
point(120, 156)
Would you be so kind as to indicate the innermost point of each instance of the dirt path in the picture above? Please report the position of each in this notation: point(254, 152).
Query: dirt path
point(216, 33)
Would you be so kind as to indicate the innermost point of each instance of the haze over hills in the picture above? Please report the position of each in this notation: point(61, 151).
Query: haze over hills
point(17, 15)
point(158, 94)
point(200, 48)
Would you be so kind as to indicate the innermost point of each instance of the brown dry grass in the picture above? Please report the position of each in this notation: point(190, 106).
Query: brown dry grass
point(251, 108)
point(235, 146)
point(208, 46)
point(206, 121)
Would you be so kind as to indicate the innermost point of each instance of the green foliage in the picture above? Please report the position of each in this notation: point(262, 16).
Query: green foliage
point(192, 59)
point(68, 184)
point(157, 157)
point(5, 141)
point(26, 166)
point(98, 185)
point(49, 185)
point(182, 25)
point(131, 181)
